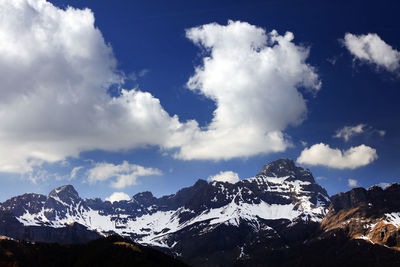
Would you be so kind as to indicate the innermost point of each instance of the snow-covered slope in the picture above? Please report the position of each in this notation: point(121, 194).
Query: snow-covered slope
point(282, 194)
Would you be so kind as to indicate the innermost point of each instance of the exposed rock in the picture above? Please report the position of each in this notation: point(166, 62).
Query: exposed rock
point(281, 206)
point(371, 214)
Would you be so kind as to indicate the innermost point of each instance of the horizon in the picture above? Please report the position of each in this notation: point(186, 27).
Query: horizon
point(383, 186)
point(153, 96)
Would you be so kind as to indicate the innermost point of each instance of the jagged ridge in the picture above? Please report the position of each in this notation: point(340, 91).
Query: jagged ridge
point(219, 223)
point(281, 191)
point(371, 214)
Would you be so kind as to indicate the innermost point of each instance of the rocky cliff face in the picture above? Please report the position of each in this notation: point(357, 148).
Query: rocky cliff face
point(371, 214)
point(361, 228)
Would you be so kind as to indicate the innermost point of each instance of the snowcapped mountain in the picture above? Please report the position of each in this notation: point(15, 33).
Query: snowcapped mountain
point(280, 197)
point(277, 214)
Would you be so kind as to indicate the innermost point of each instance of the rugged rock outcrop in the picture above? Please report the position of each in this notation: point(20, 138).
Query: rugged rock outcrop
point(371, 214)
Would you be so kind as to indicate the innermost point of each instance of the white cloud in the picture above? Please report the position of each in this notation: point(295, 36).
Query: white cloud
point(381, 132)
point(352, 182)
point(123, 175)
point(133, 76)
point(303, 143)
point(227, 176)
point(372, 49)
point(118, 196)
point(253, 77)
point(75, 171)
point(322, 154)
point(55, 70)
point(349, 131)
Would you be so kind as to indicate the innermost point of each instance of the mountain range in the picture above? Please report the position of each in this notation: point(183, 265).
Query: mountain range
point(281, 216)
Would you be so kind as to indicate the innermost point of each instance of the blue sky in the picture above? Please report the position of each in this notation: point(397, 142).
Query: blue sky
point(92, 103)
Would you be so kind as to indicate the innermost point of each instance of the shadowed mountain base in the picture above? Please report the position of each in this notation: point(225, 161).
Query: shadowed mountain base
point(110, 251)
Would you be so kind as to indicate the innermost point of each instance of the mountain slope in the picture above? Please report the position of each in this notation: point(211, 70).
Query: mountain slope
point(361, 228)
point(110, 251)
point(280, 217)
point(371, 214)
point(267, 209)
point(331, 251)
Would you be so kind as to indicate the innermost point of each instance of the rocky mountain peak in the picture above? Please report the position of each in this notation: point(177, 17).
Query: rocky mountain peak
point(145, 194)
point(65, 193)
point(285, 168)
point(144, 198)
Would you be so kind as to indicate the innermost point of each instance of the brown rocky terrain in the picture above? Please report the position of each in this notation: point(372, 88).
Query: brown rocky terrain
point(370, 214)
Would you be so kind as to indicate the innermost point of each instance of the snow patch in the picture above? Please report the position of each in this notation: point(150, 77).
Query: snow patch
point(392, 218)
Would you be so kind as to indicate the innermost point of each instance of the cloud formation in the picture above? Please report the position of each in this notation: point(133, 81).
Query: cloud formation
point(226, 176)
point(370, 48)
point(324, 155)
point(75, 171)
point(352, 182)
point(123, 175)
point(56, 69)
point(253, 77)
point(348, 132)
point(118, 196)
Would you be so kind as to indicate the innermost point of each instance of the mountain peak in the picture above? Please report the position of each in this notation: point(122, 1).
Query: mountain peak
point(145, 194)
point(200, 182)
point(286, 167)
point(278, 168)
point(145, 198)
point(64, 193)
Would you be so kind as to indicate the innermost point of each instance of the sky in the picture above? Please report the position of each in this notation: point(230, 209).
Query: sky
point(120, 97)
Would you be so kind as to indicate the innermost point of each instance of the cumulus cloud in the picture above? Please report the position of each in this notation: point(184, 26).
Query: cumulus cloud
point(227, 176)
point(56, 69)
point(118, 196)
point(372, 49)
point(123, 175)
point(253, 77)
point(348, 132)
point(322, 154)
point(352, 182)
